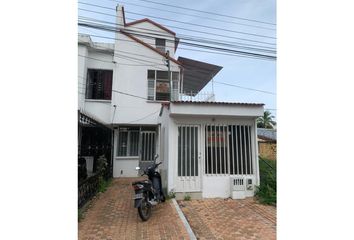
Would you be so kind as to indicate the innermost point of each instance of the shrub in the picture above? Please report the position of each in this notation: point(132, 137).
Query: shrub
point(187, 197)
point(102, 166)
point(171, 195)
point(266, 192)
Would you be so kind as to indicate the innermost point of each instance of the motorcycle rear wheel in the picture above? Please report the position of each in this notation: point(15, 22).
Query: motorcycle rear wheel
point(144, 210)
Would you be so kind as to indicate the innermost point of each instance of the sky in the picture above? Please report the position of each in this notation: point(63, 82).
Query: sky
point(245, 72)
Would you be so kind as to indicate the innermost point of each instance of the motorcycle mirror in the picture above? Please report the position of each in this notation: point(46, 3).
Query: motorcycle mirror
point(137, 168)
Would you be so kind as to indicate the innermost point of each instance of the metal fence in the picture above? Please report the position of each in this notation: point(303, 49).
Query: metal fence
point(197, 97)
point(87, 189)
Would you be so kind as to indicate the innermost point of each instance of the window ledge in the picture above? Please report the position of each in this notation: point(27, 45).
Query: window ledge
point(157, 101)
point(98, 100)
point(128, 158)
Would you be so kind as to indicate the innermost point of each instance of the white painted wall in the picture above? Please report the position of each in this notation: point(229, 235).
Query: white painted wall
point(125, 167)
point(150, 32)
point(100, 109)
point(133, 80)
point(82, 72)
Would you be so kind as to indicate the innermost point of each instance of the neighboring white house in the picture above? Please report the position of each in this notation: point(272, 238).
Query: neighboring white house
point(208, 148)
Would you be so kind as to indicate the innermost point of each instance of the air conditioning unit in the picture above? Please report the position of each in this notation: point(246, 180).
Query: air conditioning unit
point(238, 187)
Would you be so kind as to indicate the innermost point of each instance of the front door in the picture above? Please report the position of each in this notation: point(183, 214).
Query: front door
point(188, 161)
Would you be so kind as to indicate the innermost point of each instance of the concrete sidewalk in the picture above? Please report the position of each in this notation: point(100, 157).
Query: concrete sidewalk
point(113, 216)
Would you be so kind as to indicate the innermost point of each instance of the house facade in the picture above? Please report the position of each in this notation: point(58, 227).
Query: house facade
point(154, 104)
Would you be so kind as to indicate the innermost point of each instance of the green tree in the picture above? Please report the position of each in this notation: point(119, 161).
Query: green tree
point(266, 121)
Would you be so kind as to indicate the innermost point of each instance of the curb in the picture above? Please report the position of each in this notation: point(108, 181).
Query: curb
point(184, 220)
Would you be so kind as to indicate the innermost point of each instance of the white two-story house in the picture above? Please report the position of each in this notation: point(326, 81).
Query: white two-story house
point(148, 97)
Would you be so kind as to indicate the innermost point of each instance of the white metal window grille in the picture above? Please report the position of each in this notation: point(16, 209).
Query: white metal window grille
point(151, 84)
point(159, 85)
point(148, 139)
point(228, 149)
point(187, 151)
point(128, 142)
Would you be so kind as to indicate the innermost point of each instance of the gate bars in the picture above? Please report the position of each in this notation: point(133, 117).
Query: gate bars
point(228, 149)
point(187, 151)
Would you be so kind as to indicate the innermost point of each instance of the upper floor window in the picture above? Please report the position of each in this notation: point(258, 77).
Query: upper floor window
point(160, 44)
point(159, 85)
point(99, 84)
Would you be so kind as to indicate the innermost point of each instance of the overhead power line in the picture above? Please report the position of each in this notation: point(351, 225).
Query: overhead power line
point(189, 49)
point(187, 23)
point(251, 89)
point(185, 29)
point(192, 15)
point(212, 13)
point(185, 37)
point(112, 29)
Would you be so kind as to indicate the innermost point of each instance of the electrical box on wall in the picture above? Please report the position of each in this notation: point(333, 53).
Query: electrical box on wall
point(249, 184)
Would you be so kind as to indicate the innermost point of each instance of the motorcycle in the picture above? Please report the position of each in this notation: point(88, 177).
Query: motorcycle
point(148, 193)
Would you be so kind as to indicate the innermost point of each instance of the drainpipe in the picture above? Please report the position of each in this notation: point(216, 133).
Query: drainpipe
point(256, 151)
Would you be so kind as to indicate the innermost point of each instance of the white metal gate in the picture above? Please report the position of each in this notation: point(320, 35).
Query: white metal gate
point(148, 139)
point(188, 161)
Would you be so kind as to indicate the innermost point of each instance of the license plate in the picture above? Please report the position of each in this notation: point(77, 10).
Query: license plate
point(138, 196)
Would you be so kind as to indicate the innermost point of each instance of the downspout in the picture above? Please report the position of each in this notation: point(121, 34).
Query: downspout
point(256, 151)
point(112, 140)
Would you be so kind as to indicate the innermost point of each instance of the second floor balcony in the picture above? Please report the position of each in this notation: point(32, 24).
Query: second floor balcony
point(196, 97)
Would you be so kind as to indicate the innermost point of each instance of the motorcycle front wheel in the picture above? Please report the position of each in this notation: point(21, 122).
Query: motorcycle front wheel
point(144, 210)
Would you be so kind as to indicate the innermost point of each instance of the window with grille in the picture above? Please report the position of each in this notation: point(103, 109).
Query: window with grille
point(128, 142)
point(228, 149)
point(159, 85)
point(160, 44)
point(99, 84)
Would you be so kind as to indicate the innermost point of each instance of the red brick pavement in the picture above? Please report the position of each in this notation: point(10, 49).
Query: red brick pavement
point(113, 216)
point(230, 219)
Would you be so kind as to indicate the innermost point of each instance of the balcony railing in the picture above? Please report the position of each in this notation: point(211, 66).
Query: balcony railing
point(197, 97)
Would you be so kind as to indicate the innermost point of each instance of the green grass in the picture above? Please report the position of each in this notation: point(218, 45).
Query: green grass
point(104, 184)
point(80, 214)
point(267, 191)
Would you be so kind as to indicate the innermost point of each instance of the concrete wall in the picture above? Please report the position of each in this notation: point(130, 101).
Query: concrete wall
point(125, 167)
point(100, 109)
point(133, 80)
point(151, 32)
point(82, 72)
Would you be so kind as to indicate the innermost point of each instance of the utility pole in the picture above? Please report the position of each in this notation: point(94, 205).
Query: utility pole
point(169, 72)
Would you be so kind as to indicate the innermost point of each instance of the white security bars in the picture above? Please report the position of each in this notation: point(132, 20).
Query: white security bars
point(148, 145)
point(228, 149)
point(187, 151)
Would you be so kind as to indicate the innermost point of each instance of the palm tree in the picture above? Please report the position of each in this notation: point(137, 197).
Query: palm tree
point(266, 121)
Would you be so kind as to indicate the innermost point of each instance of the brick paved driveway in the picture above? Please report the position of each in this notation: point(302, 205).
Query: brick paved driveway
point(113, 216)
point(230, 219)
